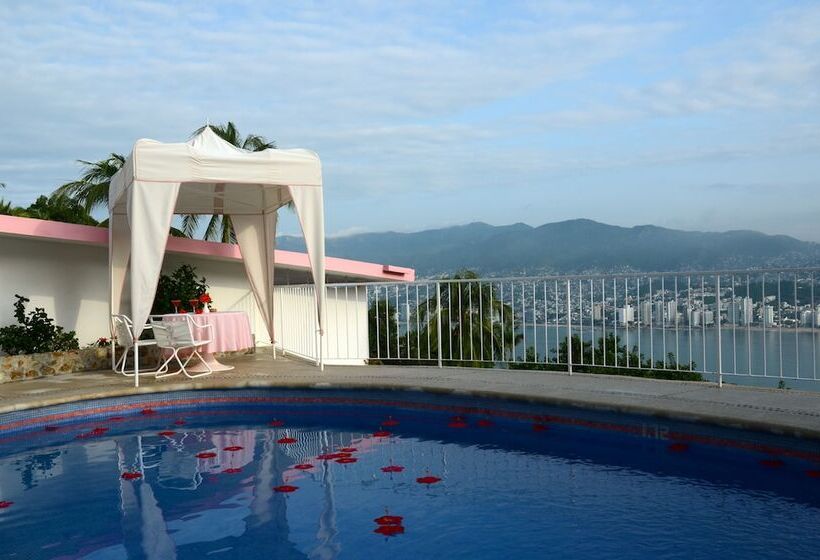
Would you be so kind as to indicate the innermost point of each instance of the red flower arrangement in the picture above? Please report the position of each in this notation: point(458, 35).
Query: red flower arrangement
point(205, 299)
point(428, 480)
point(389, 520)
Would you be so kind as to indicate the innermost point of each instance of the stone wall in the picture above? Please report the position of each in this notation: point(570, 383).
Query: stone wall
point(31, 366)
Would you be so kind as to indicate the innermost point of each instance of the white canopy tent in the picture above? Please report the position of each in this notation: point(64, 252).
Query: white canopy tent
point(207, 175)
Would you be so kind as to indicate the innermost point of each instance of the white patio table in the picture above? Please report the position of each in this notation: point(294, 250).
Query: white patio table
point(231, 332)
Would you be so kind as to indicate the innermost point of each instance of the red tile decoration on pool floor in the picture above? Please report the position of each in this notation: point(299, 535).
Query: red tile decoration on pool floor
point(813, 474)
point(389, 530)
point(232, 470)
point(772, 463)
point(5, 504)
point(389, 520)
point(390, 422)
point(348, 449)
point(678, 447)
point(276, 423)
point(206, 455)
point(180, 422)
point(332, 456)
point(147, 411)
point(234, 448)
point(51, 428)
point(285, 488)
point(428, 479)
point(167, 433)
point(303, 466)
point(484, 423)
point(392, 468)
point(286, 440)
point(131, 475)
point(382, 433)
point(93, 433)
point(346, 460)
point(459, 424)
point(539, 427)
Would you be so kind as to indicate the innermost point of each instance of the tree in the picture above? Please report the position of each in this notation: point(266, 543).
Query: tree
point(606, 351)
point(7, 208)
point(383, 325)
point(476, 327)
point(60, 208)
point(57, 208)
point(91, 189)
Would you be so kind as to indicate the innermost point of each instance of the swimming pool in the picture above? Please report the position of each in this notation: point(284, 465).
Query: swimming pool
point(335, 474)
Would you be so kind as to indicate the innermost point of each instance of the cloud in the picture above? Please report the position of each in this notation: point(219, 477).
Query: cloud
point(417, 101)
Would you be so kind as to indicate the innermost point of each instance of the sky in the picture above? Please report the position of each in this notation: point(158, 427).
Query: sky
point(690, 115)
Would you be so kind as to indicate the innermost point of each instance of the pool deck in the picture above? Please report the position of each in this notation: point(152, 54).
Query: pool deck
point(788, 412)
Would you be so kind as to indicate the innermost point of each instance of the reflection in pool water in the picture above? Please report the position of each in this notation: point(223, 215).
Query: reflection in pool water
point(254, 474)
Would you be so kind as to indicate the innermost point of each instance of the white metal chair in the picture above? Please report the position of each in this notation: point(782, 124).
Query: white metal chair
point(123, 330)
point(176, 335)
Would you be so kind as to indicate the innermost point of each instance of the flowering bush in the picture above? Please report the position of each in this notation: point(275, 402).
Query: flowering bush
point(182, 285)
point(34, 332)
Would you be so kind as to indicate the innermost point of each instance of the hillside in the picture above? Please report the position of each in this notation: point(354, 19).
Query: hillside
point(571, 246)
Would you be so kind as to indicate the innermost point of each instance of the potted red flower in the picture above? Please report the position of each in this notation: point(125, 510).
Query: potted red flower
point(205, 300)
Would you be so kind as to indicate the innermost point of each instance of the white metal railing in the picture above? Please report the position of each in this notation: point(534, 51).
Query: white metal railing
point(750, 326)
point(296, 326)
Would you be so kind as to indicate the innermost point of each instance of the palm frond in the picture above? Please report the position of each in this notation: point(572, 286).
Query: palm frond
point(91, 189)
point(190, 223)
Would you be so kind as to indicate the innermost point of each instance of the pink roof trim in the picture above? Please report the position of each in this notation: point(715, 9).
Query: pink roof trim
point(91, 235)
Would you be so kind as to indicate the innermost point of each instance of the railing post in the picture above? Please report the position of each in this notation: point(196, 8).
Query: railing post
point(719, 339)
point(569, 331)
point(438, 320)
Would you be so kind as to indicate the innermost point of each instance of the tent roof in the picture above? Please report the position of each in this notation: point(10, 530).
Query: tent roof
point(215, 176)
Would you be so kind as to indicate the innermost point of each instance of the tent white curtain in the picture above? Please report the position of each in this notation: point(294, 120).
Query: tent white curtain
point(210, 176)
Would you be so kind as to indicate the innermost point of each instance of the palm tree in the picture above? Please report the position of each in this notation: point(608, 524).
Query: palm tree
point(91, 189)
point(476, 327)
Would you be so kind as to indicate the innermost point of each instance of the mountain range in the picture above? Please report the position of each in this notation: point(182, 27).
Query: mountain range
point(573, 246)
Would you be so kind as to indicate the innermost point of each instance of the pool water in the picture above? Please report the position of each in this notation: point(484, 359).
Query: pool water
point(322, 474)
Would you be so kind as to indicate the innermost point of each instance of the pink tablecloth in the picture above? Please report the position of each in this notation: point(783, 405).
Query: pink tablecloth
point(231, 330)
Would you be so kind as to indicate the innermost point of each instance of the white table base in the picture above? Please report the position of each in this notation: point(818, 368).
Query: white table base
point(210, 359)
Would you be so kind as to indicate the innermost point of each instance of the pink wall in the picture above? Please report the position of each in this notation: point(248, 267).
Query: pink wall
point(73, 233)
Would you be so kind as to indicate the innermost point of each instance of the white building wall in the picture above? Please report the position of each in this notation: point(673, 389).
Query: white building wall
point(70, 281)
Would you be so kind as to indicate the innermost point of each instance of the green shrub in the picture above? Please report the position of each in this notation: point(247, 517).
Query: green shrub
point(35, 332)
point(183, 284)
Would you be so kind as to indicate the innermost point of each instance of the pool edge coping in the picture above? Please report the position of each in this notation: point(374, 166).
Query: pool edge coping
point(723, 420)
